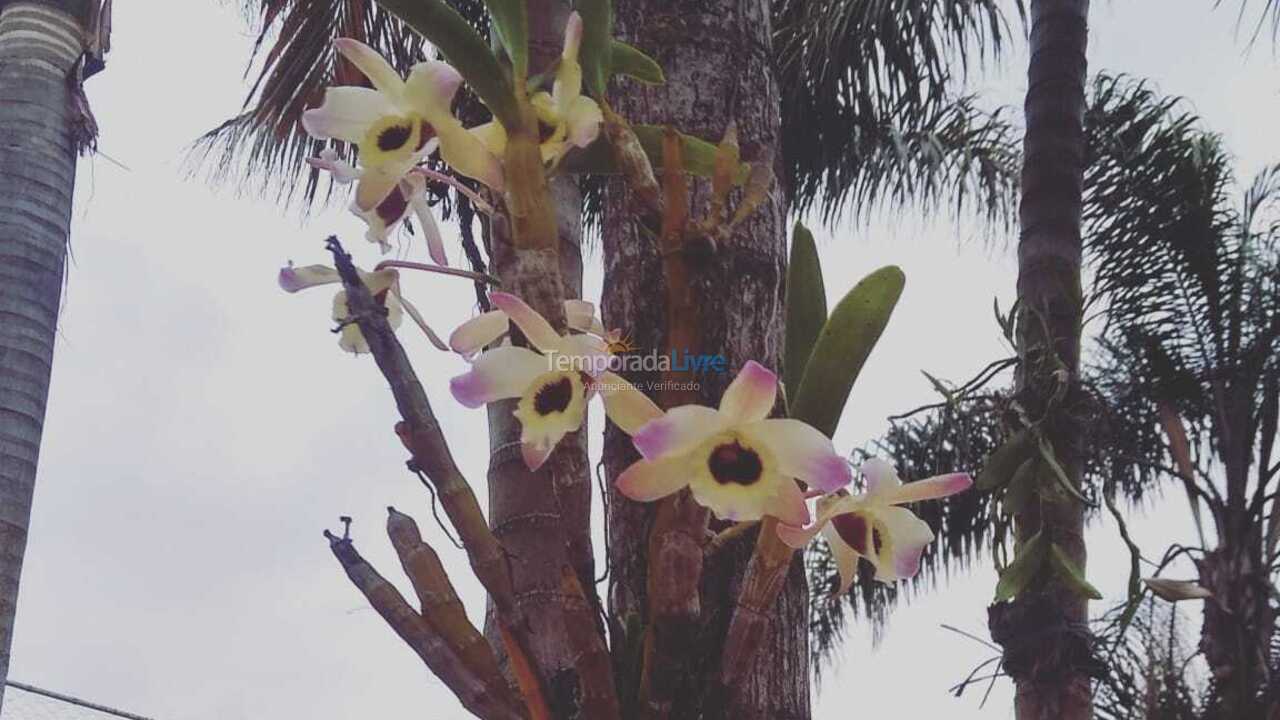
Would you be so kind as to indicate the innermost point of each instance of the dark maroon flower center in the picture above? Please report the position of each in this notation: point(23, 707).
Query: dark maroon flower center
point(553, 397)
point(425, 133)
point(394, 137)
point(545, 131)
point(393, 207)
point(733, 463)
point(852, 528)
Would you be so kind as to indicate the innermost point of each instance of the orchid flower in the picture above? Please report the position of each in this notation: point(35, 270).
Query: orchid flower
point(554, 383)
point(398, 122)
point(739, 464)
point(409, 194)
point(566, 118)
point(383, 284)
point(874, 525)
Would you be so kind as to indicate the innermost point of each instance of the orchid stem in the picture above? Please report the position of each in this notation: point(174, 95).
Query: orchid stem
point(426, 267)
point(479, 202)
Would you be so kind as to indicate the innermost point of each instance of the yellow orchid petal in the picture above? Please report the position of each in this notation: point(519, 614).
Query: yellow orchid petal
point(430, 89)
point(550, 407)
point(394, 144)
point(678, 431)
point(582, 120)
point(493, 136)
point(933, 488)
point(881, 477)
point(465, 153)
point(803, 452)
point(346, 114)
point(898, 540)
point(292, 279)
point(568, 84)
point(384, 78)
point(473, 335)
point(415, 185)
point(340, 170)
point(624, 404)
point(536, 329)
point(497, 374)
point(737, 479)
point(751, 395)
point(649, 480)
point(788, 505)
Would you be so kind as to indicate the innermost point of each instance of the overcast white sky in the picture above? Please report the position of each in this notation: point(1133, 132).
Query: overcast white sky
point(204, 427)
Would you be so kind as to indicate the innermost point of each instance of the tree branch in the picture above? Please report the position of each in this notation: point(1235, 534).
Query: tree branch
point(443, 610)
point(418, 634)
point(421, 434)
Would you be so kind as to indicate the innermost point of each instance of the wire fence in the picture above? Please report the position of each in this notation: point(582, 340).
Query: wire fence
point(25, 702)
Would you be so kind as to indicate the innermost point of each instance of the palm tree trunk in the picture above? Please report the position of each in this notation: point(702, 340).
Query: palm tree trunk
point(1239, 624)
point(1045, 630)
point(717, 58)
point(543, 518)
point(39, 44)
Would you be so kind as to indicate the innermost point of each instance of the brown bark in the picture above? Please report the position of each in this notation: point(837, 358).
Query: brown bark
point(1239, 624)
point(543, 518)
point(1050, 670)
point(716, 56)
point(39, 44)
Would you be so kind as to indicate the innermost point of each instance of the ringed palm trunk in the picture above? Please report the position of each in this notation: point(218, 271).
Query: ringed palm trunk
point(1045, 630)
point(543, 518)
point(40, 42)
point(716, 56)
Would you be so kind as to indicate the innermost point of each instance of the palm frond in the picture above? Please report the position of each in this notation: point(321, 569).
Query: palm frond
point(1270, 15)
point(1166, 247)
point(862, 81)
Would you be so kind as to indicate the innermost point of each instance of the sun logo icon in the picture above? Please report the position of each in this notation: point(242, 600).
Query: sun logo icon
point(619, 344)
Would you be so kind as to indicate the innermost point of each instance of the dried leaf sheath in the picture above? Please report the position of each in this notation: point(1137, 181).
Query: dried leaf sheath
point(675, 543)
point(442, 608)
point(591, 656)
point(419, 635)
point(765, 577)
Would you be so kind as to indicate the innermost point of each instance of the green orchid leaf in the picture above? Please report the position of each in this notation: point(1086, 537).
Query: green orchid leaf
point(632, 62)
point(806, 308)
point(1021, 491)
point(444, 28)
point(699, 155)
point(1025, 567)
point(843, 347)
point(596, 55)
point(510, 19)
point(1051, 459)
point(1071, 574)
point(1000, 466)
